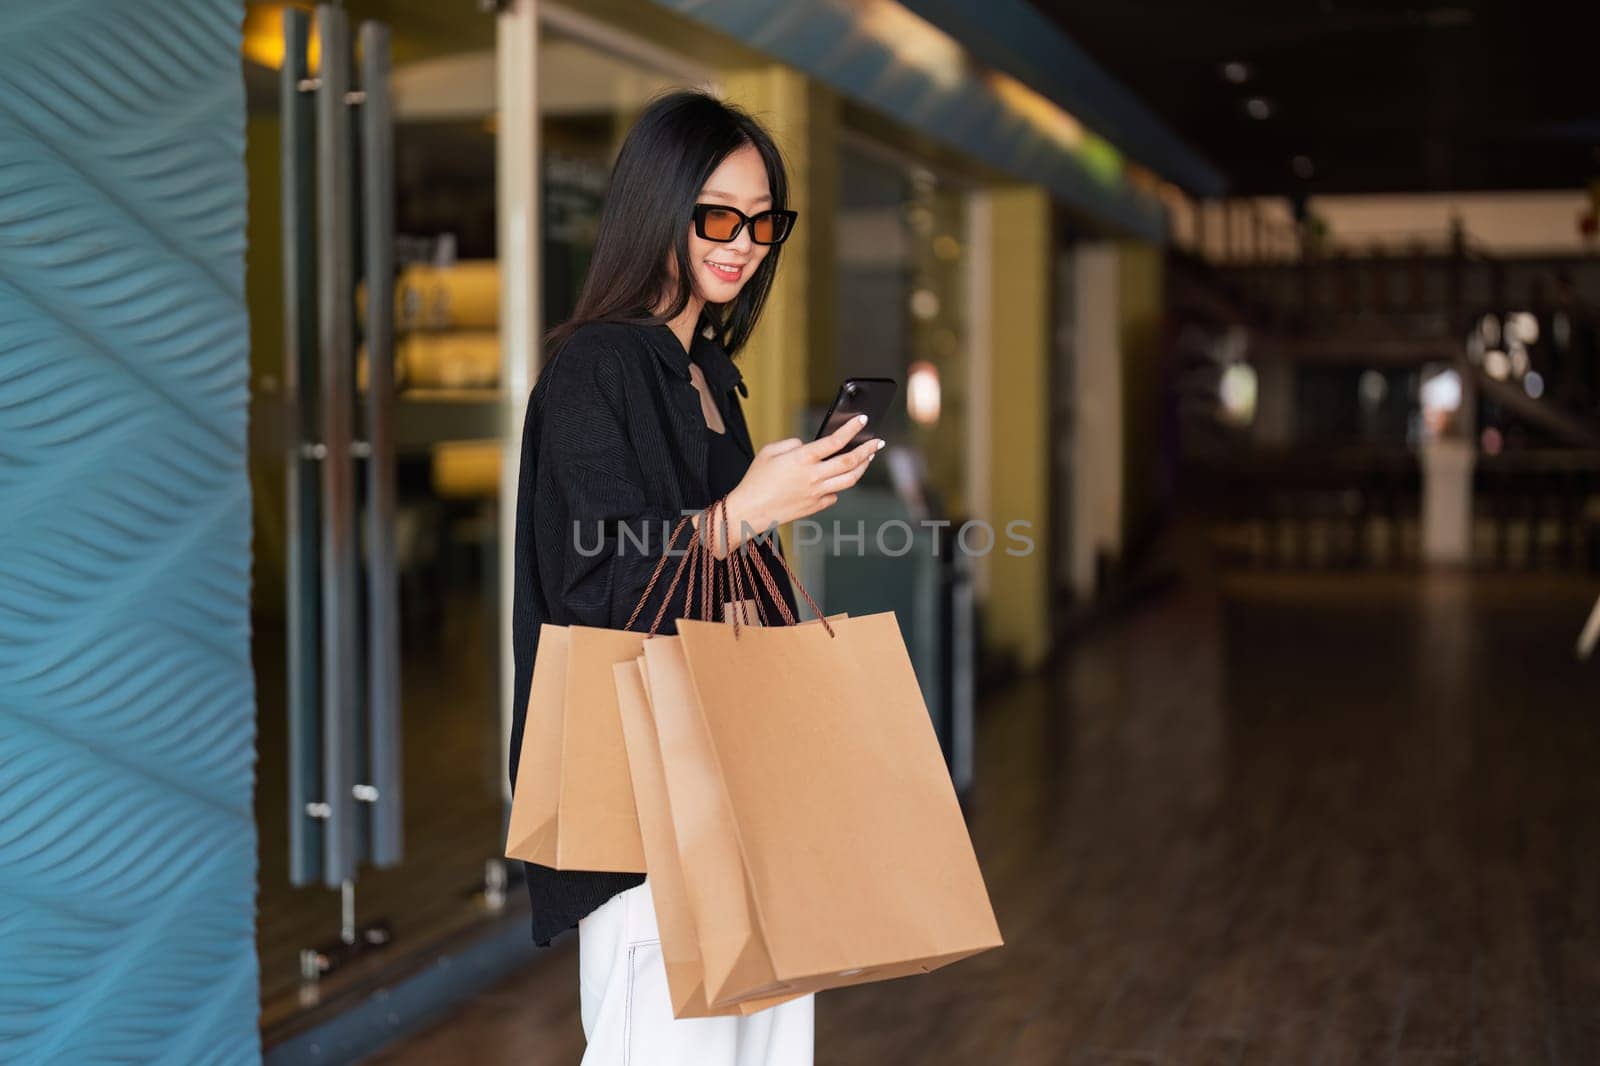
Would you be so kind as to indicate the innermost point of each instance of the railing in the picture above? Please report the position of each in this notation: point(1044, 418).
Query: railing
point(1361, 509)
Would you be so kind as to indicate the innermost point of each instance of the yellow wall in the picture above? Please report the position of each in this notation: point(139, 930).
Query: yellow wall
point(777, 362)
point(821, 181)
point(789, 357)
point(1019, 459)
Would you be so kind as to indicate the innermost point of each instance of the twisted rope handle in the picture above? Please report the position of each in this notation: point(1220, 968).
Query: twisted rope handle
point(747, 587)
point(655, 575)
point(688, 584)
point(753, 559)
point(708, 562)
point(754, 567)
point(766, 576)
point(738, 574)
point(739, 563)
point(752, 556)
point(716, 586)
point(688, 557)
point(695, 551)
point(721, 517)
point(746, 568)
point(696, 569)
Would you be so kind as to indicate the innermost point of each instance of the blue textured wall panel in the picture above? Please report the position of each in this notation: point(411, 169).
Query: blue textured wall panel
point(127, 705)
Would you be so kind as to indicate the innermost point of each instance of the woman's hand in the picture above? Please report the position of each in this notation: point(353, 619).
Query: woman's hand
point(790, 479)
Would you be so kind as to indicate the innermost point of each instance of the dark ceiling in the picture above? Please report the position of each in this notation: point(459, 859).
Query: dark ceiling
point(1363, 95)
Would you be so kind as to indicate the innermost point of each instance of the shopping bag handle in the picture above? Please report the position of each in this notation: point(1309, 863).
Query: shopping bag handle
point(739, 565)
point(738, 576)
point(696, 551)
point(742, 576)
point(746, 557)
point(694, 546)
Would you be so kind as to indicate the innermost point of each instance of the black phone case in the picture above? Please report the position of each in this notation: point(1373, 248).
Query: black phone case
point(872, 398)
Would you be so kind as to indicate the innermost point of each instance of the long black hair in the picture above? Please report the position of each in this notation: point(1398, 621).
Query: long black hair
point(665, 161)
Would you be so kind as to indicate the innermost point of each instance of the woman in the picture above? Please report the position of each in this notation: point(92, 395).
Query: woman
point(633, 423)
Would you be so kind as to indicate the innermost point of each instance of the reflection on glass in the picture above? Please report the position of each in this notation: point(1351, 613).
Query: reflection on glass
point(901, 288)
point(447, 489)
point(588, 99)
point(449, 441)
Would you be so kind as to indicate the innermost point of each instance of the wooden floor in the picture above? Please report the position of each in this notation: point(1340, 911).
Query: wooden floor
point(1306, 820)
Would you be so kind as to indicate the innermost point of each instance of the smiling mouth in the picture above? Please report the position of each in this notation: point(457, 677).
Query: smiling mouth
point(724, 271)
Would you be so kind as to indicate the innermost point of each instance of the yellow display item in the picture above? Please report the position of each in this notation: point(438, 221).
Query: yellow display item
point(463, 295)
point(466, 470)
point(452, 360)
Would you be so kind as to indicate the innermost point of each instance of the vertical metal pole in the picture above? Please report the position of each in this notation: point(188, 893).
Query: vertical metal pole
point(300, 462)
point(335, 278)
point(383, 600)
point(517, 199)
point(963, 671)
point(977, 300)
point(347, 912)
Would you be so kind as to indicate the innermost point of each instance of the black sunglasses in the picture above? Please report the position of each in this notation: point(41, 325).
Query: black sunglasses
point(721, 223)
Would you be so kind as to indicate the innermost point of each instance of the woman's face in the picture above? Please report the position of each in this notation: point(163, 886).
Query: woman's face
point(720, 270)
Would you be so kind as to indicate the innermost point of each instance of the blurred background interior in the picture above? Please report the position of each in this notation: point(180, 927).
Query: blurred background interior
point(1267, 319)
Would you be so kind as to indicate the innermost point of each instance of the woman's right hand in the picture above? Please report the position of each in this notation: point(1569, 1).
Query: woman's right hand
point(790, 479)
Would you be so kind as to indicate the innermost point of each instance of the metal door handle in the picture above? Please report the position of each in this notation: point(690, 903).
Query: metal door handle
point(344, 769)
point(302, 453)
point(335, 292)
point(383, 600)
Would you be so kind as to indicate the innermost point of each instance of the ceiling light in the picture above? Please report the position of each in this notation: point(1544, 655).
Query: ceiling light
point(1238, 390)
point(1236, 72)
point(1303, 167)
point(1441, 392)
point(1372, 388)
point(914, 41)
point(922, 393)
point(924, 303)
point(1519, 360)
point(1257, 107)
point(1523, 326)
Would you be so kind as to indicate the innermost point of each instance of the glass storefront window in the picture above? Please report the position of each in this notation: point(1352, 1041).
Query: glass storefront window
point(901, 292)
point(588, 100)
point(446, 502)
point(450, 438)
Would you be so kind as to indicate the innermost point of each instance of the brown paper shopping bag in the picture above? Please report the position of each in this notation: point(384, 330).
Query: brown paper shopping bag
point(573, 808)
point(819, 833)
point(679, 945)
point(703, 824)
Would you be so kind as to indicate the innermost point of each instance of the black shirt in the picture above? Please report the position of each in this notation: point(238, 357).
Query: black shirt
point(725, 463)
point(615, 449)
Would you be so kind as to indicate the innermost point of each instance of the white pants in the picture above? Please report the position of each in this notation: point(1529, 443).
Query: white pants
point(627, 1010)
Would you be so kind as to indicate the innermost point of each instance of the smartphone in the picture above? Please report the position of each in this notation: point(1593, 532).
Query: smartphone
point(859, 396)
